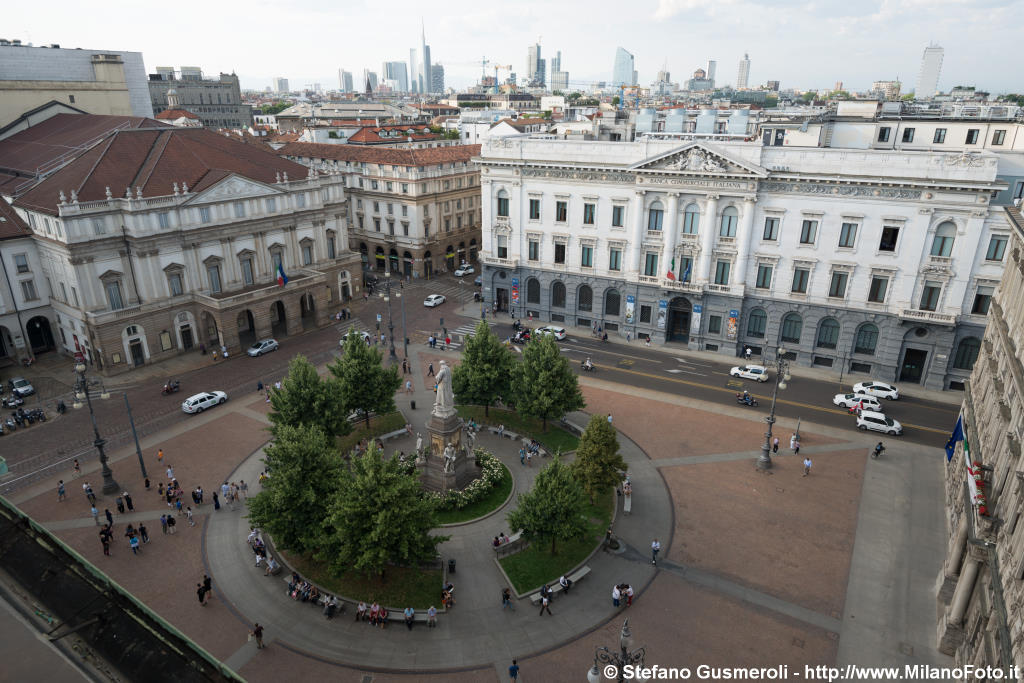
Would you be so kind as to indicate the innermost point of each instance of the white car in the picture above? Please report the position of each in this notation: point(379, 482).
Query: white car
point(261, 347)
point(879, 389)
point(864, 401)
point(758, 373)
point(21, 387)
point(464, 269)
point(434, 300)
point(200, 402)
point(365, 335)
point(557, 332)
point(878, 422)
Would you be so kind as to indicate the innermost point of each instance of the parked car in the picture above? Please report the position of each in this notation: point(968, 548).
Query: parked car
point(365, 335)
point(200, 402)
point(464, 269)
point(434, 300)
point(878, 422)
point(478, 281)
point(21, 386)
point(758, 373)
point(557, 332)
point(864, 401)
point(262, 347)
point(879, 389)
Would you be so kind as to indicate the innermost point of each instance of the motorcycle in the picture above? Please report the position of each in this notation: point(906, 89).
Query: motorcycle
point(27, 362)
point(61, 407)
point(13, 401)
point(746, 400)
point(522, 336)
point(28, 417)
point(877, 450)
point(11, 426)
point(18, 419)
point(39, 414)
point(170, 387)
point(588, 367)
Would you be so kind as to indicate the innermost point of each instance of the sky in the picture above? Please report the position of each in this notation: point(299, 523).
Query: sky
point(804, 45)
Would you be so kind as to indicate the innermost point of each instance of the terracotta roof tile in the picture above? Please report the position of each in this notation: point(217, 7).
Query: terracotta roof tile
point(171, 114)
point(11, 224)
point(424, 156)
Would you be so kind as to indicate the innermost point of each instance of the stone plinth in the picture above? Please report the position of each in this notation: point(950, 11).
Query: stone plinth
point(443, 431)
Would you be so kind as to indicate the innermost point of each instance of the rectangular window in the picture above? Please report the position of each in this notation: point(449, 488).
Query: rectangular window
point(204, 214)
point(239, 209)
point(330, 247)
point(458, 222)
point(21, 261)
point(405, 188)
point(889, 237)
point(587, 256)
point(307, 255)
point(374, 185)
point(389, 186)
point(808, 232)
point(618, 216)
point(876, 292)
point(376, 224)
point(405, 211)
point(908, 135)
point(614, 258)
point(213, 272)
point(982, 300)
point(764, 277)
point(1018, 192)
point(391, 209)
point(848, 235)
point(771, 229)
point(996, 248)
point(165, 341)
point(300, 200)
point(561, 211)
point(247, 277)
point(715, 324)
point(271, 204)
point(800, 277)
point(559, 253)
point(534, 209)
point(972, 137)
point(883, 133)
point(651, 264)
point(99, 225)
point(405, 229)
point(28, 290)
point(685, 269)
point(359, 204)
point(163, 220)
point(837, 289)
point(502, 246)
point(447, 224)
point(930, 296)
point(174, 284)
point(114, 296)
point(722, 272)
point(645, 314)
point(940, 136)
point(998, 137)
point(359, 220)
point(376, 207)
point(533, 250)
point(502, 207)
point(589, 213)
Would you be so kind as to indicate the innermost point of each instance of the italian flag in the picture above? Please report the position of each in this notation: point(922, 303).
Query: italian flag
point(671, 275)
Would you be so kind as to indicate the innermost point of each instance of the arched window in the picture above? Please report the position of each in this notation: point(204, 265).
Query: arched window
point(866, 340)
point(503, 203)
point(792, 326)
point(730, 216)
point(612, 300)
point(654, 216)
point(756, 323)
point(828, 333)
point(585, 298)
point(533, 291)
point(691, 219)
point(942, 243)
point(966, 353)
point(557, 295)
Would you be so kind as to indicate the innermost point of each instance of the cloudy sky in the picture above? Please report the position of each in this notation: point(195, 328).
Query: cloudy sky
point(802, 44)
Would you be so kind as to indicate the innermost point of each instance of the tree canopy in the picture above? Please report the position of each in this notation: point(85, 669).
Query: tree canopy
point(553, 510)
point(485, 373)
point(544, 385)
point(366, 385)
point(598, 461)
point(305, 398)
point(275, 108)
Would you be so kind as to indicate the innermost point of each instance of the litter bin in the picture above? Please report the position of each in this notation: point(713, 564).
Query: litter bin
point(451, 565)
point(413, 404)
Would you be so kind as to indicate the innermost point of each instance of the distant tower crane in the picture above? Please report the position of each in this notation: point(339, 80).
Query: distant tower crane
point(506, 67)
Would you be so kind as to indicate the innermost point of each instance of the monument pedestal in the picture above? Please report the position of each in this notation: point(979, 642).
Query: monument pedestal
point(446, 430)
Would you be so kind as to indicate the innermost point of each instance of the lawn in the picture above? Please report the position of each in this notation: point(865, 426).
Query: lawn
point(554, 439)
point(536, 565)
point(401, 588)
point(379, 424)
point(492, 500)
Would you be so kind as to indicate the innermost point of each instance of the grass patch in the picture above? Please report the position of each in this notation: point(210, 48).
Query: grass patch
point(402, 587)
point(499, 492)
point(553, 439)
point(379, 424)
point(530, 568)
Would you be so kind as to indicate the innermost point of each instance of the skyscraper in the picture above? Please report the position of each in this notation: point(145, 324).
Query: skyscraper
point(396, 71)
point(369, 80)
point(931, 66)
point(533, 65)
point(345, 81)
point(281, 84)
point(425, 78)
point(624, 72)
point(414, 80)
point(556, 62)
point(710, 71)
point(437, 78)
point(743, 75)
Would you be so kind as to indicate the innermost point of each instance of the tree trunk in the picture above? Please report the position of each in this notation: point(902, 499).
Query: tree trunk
point(553, 545)
point(366, 417)
point(487, 408)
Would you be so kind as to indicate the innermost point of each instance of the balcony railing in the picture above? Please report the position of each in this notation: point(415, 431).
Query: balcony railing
point(654, 234)
point(503, 262)
point(678, 286)
point(647, 279)
point(928, 316)
point(721, 289)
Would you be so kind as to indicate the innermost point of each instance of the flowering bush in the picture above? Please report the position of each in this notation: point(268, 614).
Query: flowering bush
point(493, 471)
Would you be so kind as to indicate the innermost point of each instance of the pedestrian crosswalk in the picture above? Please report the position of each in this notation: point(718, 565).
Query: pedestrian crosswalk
point(344, 326)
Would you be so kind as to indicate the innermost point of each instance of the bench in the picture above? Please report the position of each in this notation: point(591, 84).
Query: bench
point(507, 434)
point(399, 615)
point(514, 541)
point(627, 504)
point(556, 588)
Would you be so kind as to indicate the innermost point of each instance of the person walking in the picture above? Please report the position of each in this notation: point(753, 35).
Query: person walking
point(128, 502)
point(95, 515)
point(188, 514)
point(163, 523)
point(133, 542)
point(201, 594)
point(110, 517)
point(545, 604)
point(506, 599)
point(522, 456)
point(143, 533)
point(105, 540)
point(77, 469)
point(655, 549)
point(775, 445)
point(796, 447)
point(629, 596)
point(208, 585)
point(807, 466)
point(747, 353)
point(119, 501)
point(529, 458)
point(431, 617)
point(257, 635)
point(513, 671)
point(616, 595)
point(61, 493)
point(430, 370)
point(160, 456)
point(171, 524)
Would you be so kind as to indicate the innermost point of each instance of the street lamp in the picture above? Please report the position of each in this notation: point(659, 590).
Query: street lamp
point(386, 295)
point(82, 390)
point(781, 365)
point(617, 660)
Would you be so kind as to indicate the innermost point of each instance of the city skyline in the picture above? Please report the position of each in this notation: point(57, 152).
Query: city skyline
point(778, 42)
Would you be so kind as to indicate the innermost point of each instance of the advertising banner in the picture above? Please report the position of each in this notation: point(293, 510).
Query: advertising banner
point(630, 309)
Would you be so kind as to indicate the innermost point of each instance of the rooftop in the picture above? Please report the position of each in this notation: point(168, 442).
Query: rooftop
point(11, 224)
point(425, 156)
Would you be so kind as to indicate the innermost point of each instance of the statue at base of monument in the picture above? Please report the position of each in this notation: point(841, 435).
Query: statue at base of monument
point(449, 458)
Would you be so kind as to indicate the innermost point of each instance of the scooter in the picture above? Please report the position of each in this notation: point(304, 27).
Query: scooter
point(588, 368)
point(747, 400)
point(18, 419)
point(11, 426)
point(170, 387)
point(28, 417)
point(61, 407)
point(39, 414)
point(877, 450)
point(13, 401)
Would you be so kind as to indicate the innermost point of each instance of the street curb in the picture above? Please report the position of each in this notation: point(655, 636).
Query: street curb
point(492, 512)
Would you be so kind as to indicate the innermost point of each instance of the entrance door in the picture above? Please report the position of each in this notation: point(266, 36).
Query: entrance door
point(502, 299)
point(678, 328)
point(913, 365)
point(138, 357)
point(186, 337)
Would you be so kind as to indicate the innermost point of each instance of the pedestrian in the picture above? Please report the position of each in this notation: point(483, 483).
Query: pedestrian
point(87, 489)
point(77, 469)
point(522, 456)
point(120, 505)
point(432, 617)
point(177, 505)
point(796, 447)
point(208, 584)
point(501, 431)
point(655, 549)
point(529, 458)
point(133, 542)
point(565, 583)
point(807, 466)
point(146, 483)
point(105, 540)
point(629, 337)
point(143, 533)
point(609, 418)
point(447, 340)
point(409, 617)
point(188, 513)
point(201, 594)
point(224, 351)
point(430, 370)
point(513, 671)
point(170, 473)
point(171, 524)
point(775, 445)
point(110, 517)
point(163, 523)
point(259, 386)
point(506, 598)
point(61, 493)
point(545, 605)
point(629, 596)
point(95, 515)
point(216, 501)
point(128, 502)
point(160, 455)
point(792, 441)
point(616, 595)
point(747, 353)
point(160, 490)
point(408, 386)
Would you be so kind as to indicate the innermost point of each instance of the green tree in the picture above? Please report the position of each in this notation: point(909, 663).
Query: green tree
point(485, 373)
point(615, 101)
point(379, 515)
point(304, 472)
point(598, 461)
point(366, 385)
point(275, 108)
point(553, 510)
point(544, 385)
point(573, 96)
point(771, 102)
point(305, 398)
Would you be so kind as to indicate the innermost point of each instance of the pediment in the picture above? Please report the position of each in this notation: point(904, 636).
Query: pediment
point(234, 187)
point(700, 159)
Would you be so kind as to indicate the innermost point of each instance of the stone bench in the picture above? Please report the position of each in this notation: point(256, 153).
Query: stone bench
point(515, 543)
point(507, 434)
point(627, 504)
point(557, 587)
point(399, 615)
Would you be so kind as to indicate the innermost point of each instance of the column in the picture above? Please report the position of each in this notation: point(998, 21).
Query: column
point(708, 226)
point(638, 232)
point(671, 230)
point(962, 594)
point(743, 243)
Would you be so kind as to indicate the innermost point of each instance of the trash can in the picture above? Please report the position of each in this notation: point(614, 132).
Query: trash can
point(412, 404)
point(451, 565)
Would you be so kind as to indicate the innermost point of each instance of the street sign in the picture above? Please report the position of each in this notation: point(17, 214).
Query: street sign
point(697, 308)
point(378, 317)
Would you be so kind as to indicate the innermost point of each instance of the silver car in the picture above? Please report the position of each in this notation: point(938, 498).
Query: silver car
point(262, 347)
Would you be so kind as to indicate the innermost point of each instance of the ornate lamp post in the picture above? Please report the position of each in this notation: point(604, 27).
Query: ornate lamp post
point(781, 365)
point(82, 390)
point(616, 661)
point(386, 295)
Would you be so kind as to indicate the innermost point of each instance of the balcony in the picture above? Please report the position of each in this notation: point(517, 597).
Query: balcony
point(687, 238)
point(648, 279)
point(654, 235)
point(501, 262)
point(942, 261)
point(677, 286)
point(927, 316)
point(719, 289)
point(502, 222)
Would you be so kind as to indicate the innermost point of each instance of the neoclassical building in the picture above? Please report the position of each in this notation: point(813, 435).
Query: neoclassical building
point(980, 590)
point(153, 241)
point(881, 263)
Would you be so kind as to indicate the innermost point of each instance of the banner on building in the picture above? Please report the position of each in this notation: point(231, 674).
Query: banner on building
point(733, 324)
point(662, 313)
point(630, 309)
point(515, 290)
